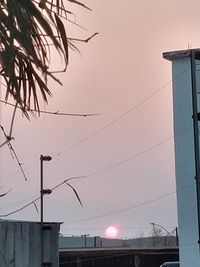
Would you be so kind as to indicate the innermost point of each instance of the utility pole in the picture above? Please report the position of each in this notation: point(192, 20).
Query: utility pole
point(196, 135)
point(42, 192)
point(85, 239)
point(95, 241)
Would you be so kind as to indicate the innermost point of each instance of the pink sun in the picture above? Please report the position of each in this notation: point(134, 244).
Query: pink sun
point(111, 232)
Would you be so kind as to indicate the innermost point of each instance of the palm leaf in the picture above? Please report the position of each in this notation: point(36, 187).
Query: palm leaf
point(4, 194)
point(77, 196)
point(27, 31)
point(61, 30)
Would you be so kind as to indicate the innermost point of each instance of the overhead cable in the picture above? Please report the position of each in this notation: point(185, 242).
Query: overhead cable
point(37, 198)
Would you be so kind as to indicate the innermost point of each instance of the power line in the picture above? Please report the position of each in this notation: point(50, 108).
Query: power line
point(37, 198)
point(124, 114)
point(19, 202)
point(120, 117)
point(123, 210)
point(102, 170)
point(102, 228)
point(112, 122)
point(137, 154)
point(104, 214)
point(131, 207)
point(58, 113)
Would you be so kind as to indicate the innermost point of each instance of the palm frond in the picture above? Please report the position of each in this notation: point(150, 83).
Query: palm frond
point(28, 28)
point(4, 194)
point(75, 192)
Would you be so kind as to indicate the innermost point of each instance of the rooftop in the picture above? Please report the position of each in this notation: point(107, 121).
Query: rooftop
point(182, 54)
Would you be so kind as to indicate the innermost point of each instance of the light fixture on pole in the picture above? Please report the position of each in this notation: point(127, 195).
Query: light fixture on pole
point(170, 234)
point(42, 192)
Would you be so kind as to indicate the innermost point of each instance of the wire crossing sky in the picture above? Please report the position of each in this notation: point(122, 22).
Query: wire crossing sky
point(127, 151)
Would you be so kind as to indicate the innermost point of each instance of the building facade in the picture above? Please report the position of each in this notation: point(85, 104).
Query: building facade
point(186, 105)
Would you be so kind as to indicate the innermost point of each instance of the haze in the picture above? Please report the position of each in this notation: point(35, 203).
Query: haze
point(126, 152)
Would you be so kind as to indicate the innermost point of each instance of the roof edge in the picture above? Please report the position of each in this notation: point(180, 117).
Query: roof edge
point(182, 54)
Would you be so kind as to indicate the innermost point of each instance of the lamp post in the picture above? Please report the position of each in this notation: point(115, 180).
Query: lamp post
point(42, 192)
point(170, 234)
point(85, 239)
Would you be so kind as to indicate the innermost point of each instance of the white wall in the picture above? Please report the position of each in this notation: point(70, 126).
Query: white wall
point(184, 159)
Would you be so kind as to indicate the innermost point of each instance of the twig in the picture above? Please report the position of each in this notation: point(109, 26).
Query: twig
point(37, 198)
point(12, 121)
point(4, 194)
point(8, 139)
point(53, 112)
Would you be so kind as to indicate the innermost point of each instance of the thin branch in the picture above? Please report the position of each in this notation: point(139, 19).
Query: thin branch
point(75, 192)
point(12, 121)
point(22, 208)
point(72, 39)
point(37, 198)
point(4, 194)
point(3, 144)
point(67, 180)
point(53, 112)
point(36, 207)
point(19, 163)
point(8, 139)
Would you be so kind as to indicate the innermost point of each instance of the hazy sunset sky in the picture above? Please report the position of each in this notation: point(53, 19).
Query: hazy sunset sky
point(126, 153)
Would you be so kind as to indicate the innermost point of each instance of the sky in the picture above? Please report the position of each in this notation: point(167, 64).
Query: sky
point(125, 155)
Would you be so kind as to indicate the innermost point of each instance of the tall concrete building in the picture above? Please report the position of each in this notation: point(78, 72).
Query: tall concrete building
point(186, 106)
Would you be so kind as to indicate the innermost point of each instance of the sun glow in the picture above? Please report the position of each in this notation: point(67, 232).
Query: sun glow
point(111, 232)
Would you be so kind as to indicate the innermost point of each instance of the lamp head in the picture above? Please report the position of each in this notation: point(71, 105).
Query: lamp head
point(45, 158)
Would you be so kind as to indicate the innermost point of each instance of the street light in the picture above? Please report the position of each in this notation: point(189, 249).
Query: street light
point(170, 234)
point(42, 192)
point(85, 239)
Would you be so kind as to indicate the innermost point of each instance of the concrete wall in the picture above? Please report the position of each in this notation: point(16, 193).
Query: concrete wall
point(144, 242)
point(20, 244)
point(184, 157)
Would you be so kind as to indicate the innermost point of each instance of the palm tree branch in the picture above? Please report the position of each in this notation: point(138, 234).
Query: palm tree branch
point(27, 30)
